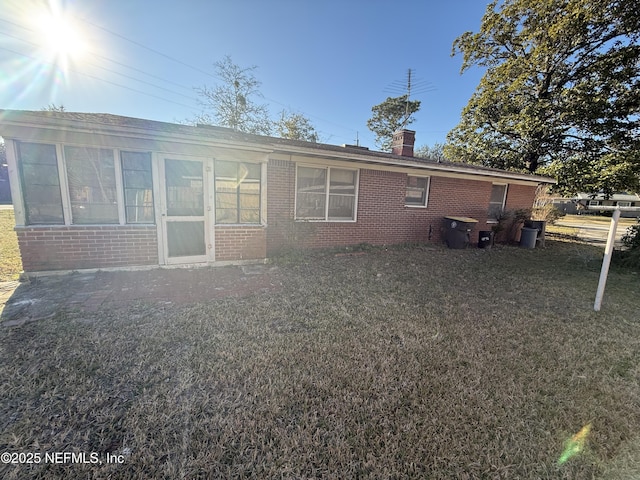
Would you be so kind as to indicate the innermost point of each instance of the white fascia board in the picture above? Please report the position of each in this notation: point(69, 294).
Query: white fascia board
point(428, 169)
point(61, 132)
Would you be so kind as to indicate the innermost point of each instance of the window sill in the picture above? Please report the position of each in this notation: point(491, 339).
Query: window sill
point(303, 220)
point(240, 225)
point(492, 222)
point(415, 206)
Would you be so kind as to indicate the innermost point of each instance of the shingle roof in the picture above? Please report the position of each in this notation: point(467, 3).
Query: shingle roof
point(102, 120)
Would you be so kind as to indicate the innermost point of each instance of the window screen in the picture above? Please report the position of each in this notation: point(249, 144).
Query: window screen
point(92, 185)
point(138, 187)
point(40, 184)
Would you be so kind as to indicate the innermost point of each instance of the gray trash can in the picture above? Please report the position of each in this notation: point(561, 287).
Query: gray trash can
point(539, 225)
point(528, 237)
point(457, 231)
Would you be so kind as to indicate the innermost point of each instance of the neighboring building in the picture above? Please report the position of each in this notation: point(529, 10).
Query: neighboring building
point(103, 191)
point(598, 204)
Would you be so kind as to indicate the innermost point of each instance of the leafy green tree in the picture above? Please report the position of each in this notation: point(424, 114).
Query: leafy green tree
point(390, 116)
point(296, 126)
point(231, 103)
point(436, 152)
point(559, 95)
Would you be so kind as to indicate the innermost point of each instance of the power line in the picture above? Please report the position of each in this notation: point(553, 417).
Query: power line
point(100, 79)
point(169, 57)
point(157, 52)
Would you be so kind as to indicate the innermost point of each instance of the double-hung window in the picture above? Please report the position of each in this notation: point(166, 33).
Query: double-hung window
point(92, 185)
point(137, 186)
point(497, 201)
point(237, 192)
point(417, 191)
point(40, 184)
point(327, 194)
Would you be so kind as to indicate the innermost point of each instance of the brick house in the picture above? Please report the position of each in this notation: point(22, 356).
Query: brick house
point(105, 191)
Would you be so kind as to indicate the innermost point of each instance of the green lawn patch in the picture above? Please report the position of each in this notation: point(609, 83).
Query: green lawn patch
point(415, 362)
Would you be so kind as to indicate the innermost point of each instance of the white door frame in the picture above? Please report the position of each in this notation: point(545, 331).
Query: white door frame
point(207, 217)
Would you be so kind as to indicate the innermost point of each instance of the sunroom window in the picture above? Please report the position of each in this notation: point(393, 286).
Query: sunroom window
point(92, 185)
point(237, 192)
point(138, 187)
point(40, 184)
point(326, 194)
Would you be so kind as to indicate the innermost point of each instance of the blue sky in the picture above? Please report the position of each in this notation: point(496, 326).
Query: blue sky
point(331, 60)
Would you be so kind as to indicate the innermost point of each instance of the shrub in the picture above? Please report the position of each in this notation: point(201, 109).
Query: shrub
point(631, 256)
point(631, 238)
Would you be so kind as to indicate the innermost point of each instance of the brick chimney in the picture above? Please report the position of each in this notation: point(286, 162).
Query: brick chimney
point(402, 143)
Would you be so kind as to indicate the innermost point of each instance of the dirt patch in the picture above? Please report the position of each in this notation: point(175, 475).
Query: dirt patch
point(43, 297)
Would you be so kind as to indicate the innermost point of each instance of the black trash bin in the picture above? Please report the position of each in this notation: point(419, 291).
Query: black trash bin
point(457, 231)
point(485, 239)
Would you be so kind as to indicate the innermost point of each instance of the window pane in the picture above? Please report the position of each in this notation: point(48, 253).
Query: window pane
point(310, 205)
point(41, 183)
point(497, 194)
point(140, 214)
point(185, 189)
point(235, 183)
point(416, 191)
point(138, 187)
point(312, 180)
point(250, 187)
point(92, 185)
point(341, 207)
point(185, 239)
point(136, 161)
point(311, 193)
point(342, 181)
point(137, 178)
point(496, 203)
point(253, 171)
point(250, 216)
point(38, 154)
point(226, 170)
point(249, 201)
point(226, 215)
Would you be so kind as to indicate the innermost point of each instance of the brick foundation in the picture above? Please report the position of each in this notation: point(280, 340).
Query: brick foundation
point(77, 247)
point(240, 243)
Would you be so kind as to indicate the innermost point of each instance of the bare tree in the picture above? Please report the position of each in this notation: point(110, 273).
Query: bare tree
point(230, 104)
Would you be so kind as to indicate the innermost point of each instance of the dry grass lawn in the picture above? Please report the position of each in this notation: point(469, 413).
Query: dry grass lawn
point(10, 262)
point(407, 363)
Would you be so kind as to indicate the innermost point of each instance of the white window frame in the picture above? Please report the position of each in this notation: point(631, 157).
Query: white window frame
point(326, 218)
point(261, 197)
point(426, 193)
point(623, 204)
point(120, 187)
point(64, 185)
point(503, 203)
point(594, 203)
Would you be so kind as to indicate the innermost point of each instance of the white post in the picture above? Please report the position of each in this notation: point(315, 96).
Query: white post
point(608, 250)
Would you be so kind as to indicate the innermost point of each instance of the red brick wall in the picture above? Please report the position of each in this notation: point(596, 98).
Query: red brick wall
point(520, 196)
point(382, 217)
point(240, 243)
point(76, 247)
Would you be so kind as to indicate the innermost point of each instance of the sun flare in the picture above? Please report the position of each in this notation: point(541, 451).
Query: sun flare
point(60, 35)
